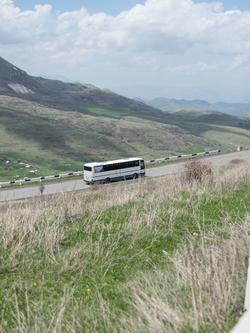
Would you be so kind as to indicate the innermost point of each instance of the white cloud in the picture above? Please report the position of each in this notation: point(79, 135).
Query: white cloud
point(161, 36)
point(18, 26)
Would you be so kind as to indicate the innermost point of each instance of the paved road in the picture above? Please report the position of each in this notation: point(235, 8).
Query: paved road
point(76, 185)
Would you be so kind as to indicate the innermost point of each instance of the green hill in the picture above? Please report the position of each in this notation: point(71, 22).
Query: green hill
point(48, 126)
point(68, 96)
point(52, 140)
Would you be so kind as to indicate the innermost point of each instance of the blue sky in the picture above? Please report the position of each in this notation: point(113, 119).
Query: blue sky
point(112, 7)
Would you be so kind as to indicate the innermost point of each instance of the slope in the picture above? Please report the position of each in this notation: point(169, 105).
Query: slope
point(52, 140)
point(48, 126)
point(68, 96)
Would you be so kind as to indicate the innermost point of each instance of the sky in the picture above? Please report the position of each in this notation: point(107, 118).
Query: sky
point(169, 48)
point(111, 7)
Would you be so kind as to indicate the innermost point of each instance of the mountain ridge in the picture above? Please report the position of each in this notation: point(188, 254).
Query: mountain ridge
point(64, 95)
point(175, 105)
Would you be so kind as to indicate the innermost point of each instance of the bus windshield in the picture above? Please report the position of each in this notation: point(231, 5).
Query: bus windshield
point(86, 168)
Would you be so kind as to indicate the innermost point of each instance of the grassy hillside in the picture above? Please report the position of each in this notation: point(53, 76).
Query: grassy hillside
point(68, 96)
point(155, 255)
point(52, 140)
point(49, 126)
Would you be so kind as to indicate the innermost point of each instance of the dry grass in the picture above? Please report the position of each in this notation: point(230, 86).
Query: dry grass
point(202, 289)
point(150, 256)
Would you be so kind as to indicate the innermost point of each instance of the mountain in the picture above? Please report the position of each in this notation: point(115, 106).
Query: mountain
point(47, 126)
point(173, 105)
point(65, 96)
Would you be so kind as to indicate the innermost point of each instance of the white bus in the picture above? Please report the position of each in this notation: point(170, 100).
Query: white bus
point(105, 172)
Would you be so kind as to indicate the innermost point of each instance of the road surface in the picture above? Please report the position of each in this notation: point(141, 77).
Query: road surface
point(77, 185)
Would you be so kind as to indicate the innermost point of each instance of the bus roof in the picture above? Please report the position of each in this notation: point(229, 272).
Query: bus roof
point(93, 164)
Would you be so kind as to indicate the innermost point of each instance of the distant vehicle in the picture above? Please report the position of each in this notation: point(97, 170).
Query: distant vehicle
point(107, 172)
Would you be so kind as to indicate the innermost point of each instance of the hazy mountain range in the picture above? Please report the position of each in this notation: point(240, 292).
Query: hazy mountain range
point(174, 105)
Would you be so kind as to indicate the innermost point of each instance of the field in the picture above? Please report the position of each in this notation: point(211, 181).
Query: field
point(157, 255)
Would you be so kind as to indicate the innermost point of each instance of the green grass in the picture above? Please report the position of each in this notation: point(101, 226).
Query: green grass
point(44, 167)
point(87, 249)
point(107, 112)
point(229, 136)
point(194, 150)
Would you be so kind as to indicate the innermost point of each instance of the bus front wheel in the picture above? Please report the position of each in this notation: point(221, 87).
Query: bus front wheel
point(108, 180)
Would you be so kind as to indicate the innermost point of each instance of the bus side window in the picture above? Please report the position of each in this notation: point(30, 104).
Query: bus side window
point(98, 169)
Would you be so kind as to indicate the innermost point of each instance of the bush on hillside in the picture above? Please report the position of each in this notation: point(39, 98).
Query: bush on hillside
point(197, 171)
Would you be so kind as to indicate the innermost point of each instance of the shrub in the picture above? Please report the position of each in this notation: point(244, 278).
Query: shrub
point(197, 170)
point(41, 188)
point(236, 161)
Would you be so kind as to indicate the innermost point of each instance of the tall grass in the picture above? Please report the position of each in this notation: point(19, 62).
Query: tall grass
point(202, 290)
point(151, 256)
